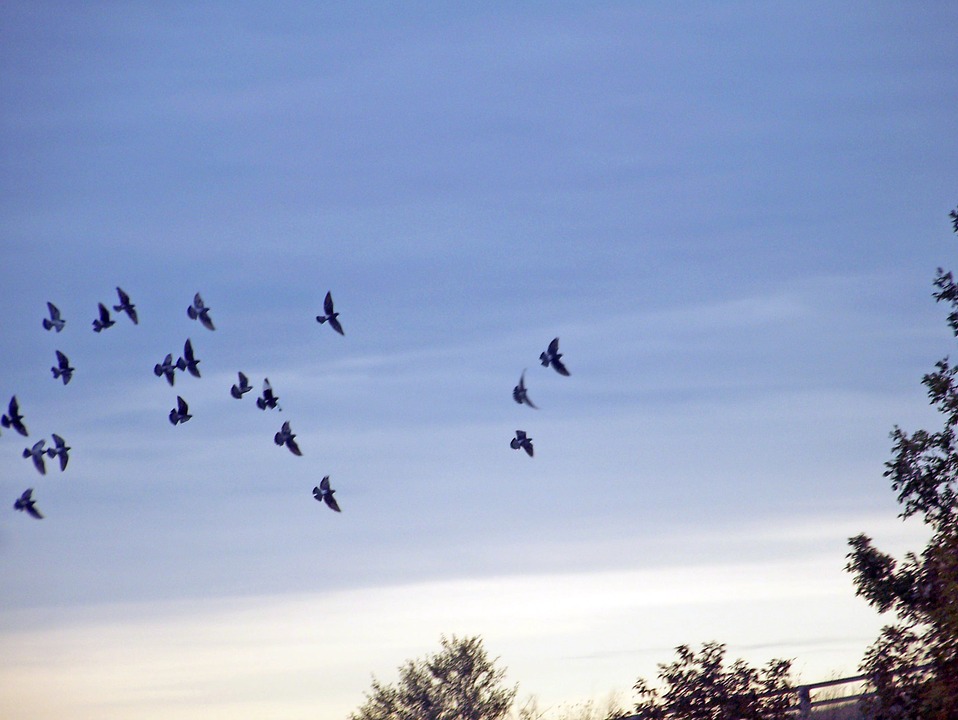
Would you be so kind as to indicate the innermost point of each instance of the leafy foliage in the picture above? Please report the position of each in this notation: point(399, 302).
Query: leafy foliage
point(913, 666)
point(700, 687)
point(458, 683)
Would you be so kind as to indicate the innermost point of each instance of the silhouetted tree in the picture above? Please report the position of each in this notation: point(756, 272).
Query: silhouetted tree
point(458, 683)
point(913, 666)
point(700, 687)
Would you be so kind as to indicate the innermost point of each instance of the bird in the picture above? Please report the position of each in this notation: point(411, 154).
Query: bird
point(268, 399)
point(36, 452)
point(26, 503)
point(55, 321)
point(62, 450)
point(199, 311)
point(552, 357)
point(324, 493)
point(62, 369)
point(521, 440)
point(519, 392)
point(288, 438)
point(240, 389)
point(104, 321)
point(167, 368)
point(126, 306)
point(331, 317)
point(13, 418)
point(181, 413)
point(188, 360)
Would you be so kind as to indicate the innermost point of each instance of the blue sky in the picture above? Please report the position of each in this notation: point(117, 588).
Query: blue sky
point(729, 213)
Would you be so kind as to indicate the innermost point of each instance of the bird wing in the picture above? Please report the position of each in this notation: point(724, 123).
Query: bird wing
point(104, 313)
point(205, 319)
point(188, 351)
point(331, 502)
point(54, 311)
point(198, 302)
point(124, 298)
point(63, 360)
point(293, 447)
point(334, 323)
point(554, 346)
point(181, 405)
point(30, 508)
point(324, 484)
point(27, 495)
point(328, 303)
point(560, 368)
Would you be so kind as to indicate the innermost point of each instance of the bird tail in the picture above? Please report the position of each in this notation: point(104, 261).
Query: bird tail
point(191, 311)
point(321, 319)
point(57, 372)
point(47, 324)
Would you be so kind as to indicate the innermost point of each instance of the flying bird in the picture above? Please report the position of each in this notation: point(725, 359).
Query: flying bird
point(26, 503)
point(288, 438)
point(188, 360)
point(268, 399)
point(521, 440)
point(167, 368)
point(331, 317)
point(324, 493)
point(62, 450)
point(552, 357)
point(199, 311)
point(13, 418)
point(240, 389)
point(126, 306)
point(104, 321)
point(62, 369)
point(181, 413)
point(55, 321)
point(519, 392)
point(36, 452)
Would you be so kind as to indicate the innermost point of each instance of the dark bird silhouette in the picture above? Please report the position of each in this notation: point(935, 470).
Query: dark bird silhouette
point(62, 369)
point(27, 504)
point(331, 317)
point(13, 418)
point(521, 440)
point(552, 357)
point(519, 392)
point(188, 360)
point(36, 452)
point(126, 306)
point(268, 399)
point(181, 413)
point(240, 389)
point(324, 493)
point(288, 438)
point(55, 320)
point(104, 321)
point(167, 368)
point(62, 450)
point(199, 311)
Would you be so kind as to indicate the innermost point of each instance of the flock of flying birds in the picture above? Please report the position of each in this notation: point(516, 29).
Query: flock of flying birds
point(189, 363)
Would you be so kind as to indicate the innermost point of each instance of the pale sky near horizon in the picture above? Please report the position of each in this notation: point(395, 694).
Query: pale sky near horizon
point(730, 214)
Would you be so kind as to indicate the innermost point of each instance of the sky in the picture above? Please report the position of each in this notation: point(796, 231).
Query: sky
point(729, 213)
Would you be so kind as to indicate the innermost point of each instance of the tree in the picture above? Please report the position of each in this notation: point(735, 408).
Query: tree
point(458, 683)
point(913, 665)
point(699, 687)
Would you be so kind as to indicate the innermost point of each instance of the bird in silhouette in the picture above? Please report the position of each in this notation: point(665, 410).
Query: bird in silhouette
point(55, 321)
point(126, 306)
point(62, 450)
point(104, 321)
point(27, 504)
point(13, 418)
point(199, 311)
point(324, 493)
point(36, 452)
point(62, 369)
point(288, 438)
point(519, 392)
point(331, 317)
point(181, 413)
point(188, 360)
point(552, 357)
point(240, 389)
point(268, 399)
point(521, 440)
point(166, 368)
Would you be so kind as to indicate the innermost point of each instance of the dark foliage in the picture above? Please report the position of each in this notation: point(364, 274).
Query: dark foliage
point(700, 687)
point(913, 666)
point(458, 683)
